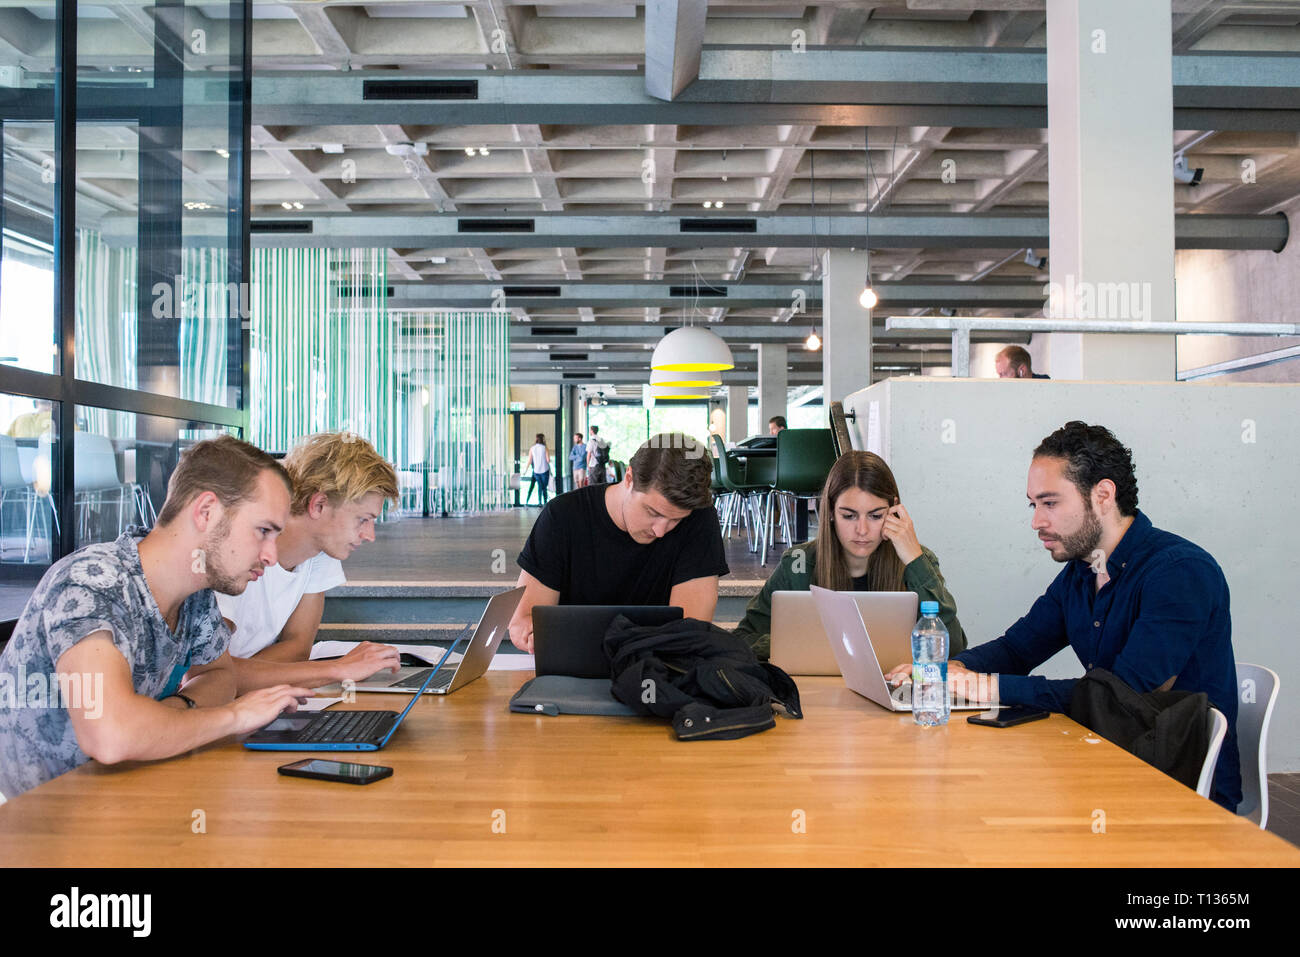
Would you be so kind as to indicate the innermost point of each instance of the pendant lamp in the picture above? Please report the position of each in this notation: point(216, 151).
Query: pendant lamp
point(662, 377)
point(691, 349)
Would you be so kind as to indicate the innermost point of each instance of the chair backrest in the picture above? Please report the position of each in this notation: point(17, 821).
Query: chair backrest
point(1218, 727)
point(11, 473)
point(95, 463)
point(803, 460)
point(1257, 690)
point(733, 476)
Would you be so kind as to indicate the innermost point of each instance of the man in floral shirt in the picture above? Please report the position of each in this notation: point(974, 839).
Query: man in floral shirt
point(120, 654)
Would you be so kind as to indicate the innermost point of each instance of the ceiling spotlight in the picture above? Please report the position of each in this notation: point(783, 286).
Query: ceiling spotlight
point(947, 312)
point(718, 204)
point(438, 260)
point(1186, 175)
point(224, 154)
point(470, 151)
point(1038, 262)
point(483, 151)
point(708, 204)
point(287, 205)
point(297, 205)
point(334, 148)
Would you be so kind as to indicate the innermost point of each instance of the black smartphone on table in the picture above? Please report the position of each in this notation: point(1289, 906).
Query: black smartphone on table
point(345, 771)
point(1008, 717)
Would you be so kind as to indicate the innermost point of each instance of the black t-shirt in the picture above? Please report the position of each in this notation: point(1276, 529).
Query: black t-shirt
point(576, 549)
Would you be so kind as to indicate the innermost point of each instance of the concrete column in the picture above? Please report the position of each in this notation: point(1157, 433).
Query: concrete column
point(773, 382)
point(737, 413)
point(1110, 184)
point(846, 326)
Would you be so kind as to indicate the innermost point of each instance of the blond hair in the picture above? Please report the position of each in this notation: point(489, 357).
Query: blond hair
point(342, 465)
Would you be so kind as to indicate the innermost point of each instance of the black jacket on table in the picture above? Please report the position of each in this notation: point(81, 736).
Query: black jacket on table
point(705, 679)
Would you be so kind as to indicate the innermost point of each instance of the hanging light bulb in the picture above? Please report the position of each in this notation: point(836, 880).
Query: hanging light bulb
point(868, 298)
point(813, 342)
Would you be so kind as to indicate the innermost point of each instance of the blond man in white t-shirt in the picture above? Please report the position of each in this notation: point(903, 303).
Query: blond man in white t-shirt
point(340, 485)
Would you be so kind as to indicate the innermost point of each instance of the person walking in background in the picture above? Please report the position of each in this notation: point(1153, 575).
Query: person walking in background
point(578, 461)
point(597, 458)
point(540, 461)
point(1013, 363)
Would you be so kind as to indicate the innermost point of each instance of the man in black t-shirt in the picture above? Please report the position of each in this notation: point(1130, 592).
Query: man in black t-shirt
point(651, 539)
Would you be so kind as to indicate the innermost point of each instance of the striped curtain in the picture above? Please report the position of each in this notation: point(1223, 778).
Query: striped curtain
point(321, 343)
point(107, 321)
point(454, 389)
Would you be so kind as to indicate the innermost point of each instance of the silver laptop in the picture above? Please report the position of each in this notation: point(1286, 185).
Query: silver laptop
point(860, 656)
point(800, 645)
point(477, 654)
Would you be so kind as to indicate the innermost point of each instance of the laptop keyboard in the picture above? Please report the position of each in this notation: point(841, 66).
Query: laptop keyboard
point(347, 727)
point(414, 681)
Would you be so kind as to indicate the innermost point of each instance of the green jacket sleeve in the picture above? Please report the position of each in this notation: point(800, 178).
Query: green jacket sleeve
point(922, 576)
point(756, 626)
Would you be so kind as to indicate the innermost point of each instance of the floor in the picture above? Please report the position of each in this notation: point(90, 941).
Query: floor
point(1284, 806)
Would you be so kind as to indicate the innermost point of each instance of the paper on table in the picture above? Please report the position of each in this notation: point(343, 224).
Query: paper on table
point(512, 662)
point(318, 704)
point(427, 653)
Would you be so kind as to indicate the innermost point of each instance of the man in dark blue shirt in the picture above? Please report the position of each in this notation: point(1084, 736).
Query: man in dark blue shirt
point(1145, 604)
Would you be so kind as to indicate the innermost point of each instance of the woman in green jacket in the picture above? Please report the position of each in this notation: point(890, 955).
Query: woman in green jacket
point(865, 542)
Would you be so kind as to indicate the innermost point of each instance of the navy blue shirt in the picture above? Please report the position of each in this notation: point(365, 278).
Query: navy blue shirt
point(1163, 613)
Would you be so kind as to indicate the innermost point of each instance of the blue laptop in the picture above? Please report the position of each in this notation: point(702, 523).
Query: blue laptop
point(336, 730)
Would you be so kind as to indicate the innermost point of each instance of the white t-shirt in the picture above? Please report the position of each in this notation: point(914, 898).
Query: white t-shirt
point(260, 612)
point(541, 461)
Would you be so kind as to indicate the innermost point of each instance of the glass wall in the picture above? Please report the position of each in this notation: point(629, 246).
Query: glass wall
point(123, 265)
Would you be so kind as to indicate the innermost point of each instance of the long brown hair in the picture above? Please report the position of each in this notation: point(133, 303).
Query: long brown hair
point(868, 472)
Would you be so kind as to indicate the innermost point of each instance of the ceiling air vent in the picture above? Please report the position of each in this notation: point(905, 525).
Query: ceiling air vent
point(280, 226)
point(419, 90)
point(363, 292)
point(569, 357)
point(691, 292)
point(552, 330)
point(713, 224)
point(578, 375)
point(494, 225)
point(531, 292)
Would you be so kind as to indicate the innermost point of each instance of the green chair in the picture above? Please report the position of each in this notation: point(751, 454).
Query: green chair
point(743, 504)
point(803, 460)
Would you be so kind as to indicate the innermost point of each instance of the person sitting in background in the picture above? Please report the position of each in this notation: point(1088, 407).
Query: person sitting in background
point(127, 636)
point(539, 463)
point(775, 424)
point(1144, 604)
point(340, 484)
point(865, 542)
point(34, 424)
point(578, 461)
point(1013, 363)
point(651, 539)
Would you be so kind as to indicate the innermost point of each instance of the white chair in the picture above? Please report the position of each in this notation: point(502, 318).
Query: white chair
point(95, 477)
point(1218, 729)
point(1257, 689)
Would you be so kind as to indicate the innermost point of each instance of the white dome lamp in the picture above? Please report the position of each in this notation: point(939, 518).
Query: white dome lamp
point(691, 349)
point(868, 298)
point(697, 380)
point(664, 392)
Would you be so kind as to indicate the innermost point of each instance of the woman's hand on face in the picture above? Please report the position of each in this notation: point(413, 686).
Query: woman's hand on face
point(900, 533)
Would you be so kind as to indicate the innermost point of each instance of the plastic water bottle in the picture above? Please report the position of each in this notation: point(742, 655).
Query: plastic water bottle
point(930, 667)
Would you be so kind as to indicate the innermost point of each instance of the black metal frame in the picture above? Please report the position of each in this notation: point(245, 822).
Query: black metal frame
point(63, 387)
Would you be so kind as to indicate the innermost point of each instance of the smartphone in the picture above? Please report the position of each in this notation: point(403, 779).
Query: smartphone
point(1007, 717)
point(343, 771)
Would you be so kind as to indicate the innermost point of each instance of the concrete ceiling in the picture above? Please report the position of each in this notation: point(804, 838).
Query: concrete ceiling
point(571, 135)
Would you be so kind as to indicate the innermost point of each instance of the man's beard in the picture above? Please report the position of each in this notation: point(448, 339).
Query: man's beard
point(1082, 543)
point(219, 579)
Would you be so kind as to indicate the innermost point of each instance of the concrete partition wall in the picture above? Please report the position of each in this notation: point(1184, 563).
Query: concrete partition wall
point(1216, 463)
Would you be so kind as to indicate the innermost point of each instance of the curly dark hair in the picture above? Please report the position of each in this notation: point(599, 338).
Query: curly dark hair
point(1092, 453)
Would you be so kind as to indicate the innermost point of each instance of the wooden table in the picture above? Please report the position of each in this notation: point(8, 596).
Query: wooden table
point(475, 784)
